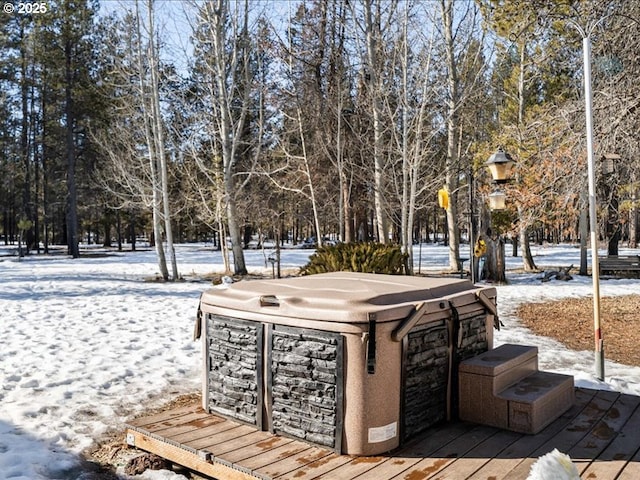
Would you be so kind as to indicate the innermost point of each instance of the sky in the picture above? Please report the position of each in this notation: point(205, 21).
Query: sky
point(173, 24)
point(175, 20)
point(88, 343)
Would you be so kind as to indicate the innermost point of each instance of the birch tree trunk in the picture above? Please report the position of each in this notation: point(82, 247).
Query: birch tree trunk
point(452, 181)
point(307, 171)
point(147, 116)
point(406, 216)
point(157, 129)
point(344, 207)
point(527, 258)
point(373, 74)
point(412, 136)
point(230, 124)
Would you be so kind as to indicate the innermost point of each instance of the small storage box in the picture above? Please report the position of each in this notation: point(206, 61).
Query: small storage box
point(355, 362)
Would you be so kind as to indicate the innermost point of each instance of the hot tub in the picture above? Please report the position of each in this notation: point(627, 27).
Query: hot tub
point(355, 362)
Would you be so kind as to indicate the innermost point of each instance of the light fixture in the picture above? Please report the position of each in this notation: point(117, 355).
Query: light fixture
point(500, 165)
point(497, 200)
point(609, 163)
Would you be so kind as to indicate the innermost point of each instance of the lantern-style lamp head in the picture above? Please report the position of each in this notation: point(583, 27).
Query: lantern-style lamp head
point(609, 163)
point(497, 200)
point(500, 165)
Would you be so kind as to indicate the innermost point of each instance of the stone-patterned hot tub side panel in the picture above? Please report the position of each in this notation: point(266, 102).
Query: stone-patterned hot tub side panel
point(426, 369)
point(234, 368)
point(305, 384)
point(425, 380)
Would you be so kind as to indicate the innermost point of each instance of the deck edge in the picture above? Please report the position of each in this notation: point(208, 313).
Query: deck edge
point(201, 461)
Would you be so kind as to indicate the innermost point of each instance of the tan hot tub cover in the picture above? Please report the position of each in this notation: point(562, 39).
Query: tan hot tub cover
point(374, 315)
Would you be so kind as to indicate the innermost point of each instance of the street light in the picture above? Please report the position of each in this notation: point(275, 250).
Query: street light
point(497, 200)
point(609, 163)
point(585, 33)
point(500, 165)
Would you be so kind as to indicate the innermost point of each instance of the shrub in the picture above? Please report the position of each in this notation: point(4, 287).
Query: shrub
point(357, 257)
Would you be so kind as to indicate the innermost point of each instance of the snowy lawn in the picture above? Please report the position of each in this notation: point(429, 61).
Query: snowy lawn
point(88, 343)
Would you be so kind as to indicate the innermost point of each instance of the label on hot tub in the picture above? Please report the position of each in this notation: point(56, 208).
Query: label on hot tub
point(384, 433)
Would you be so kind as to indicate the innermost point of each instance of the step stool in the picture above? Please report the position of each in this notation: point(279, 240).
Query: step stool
point(537, 400)
point(504, 388)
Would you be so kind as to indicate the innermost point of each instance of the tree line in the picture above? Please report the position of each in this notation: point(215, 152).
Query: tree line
point(332, 119)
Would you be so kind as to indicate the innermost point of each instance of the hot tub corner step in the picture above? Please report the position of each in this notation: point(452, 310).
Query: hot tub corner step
point(537, 400)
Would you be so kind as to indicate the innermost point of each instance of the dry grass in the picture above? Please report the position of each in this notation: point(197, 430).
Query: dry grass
point(571, 322)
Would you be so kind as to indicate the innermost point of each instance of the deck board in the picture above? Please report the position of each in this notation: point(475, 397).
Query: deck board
point(604, 432)
point(221, 437)
point(601, 433)
point(214, 427)
point(622, 448)
point(275, 455)
point(281, 467)
point(235, 449)
point(271, 447)
point(354, 468)
point(165, 415)
point(331, 463)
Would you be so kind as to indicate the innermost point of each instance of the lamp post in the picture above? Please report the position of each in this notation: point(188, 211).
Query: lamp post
point(585, 33)
point(500, 165)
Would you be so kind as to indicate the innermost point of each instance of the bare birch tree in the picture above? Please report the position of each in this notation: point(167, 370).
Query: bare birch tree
point(452, 177)
point(136, 171)
point(414, 138)
point(225, 47)
point(464, 61)
point(371, 25)
point(154, 133)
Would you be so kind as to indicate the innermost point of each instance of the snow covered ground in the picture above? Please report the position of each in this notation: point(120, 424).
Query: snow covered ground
point(87, 343)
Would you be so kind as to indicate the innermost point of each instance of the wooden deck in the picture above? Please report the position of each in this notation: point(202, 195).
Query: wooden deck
point(601, 433)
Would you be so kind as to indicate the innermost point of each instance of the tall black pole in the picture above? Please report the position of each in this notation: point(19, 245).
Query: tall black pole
point(472, 233)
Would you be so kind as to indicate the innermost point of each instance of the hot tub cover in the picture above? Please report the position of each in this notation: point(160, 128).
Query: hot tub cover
point(336, 297)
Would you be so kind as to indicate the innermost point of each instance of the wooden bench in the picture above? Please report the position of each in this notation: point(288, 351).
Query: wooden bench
point(617, 264)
